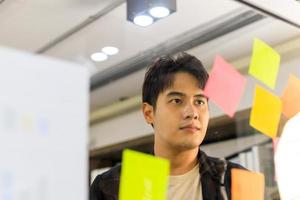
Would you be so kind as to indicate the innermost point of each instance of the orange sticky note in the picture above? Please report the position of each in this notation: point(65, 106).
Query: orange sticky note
point(246, 185)
point(264, 63)
point(291, 97)
point(225, 86)
point(266, 111)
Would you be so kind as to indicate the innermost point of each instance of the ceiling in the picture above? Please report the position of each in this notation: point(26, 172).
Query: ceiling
point(74, 29)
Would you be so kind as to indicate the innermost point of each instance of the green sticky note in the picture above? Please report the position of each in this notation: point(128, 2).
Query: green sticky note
point(264, 63)
point(143, 176)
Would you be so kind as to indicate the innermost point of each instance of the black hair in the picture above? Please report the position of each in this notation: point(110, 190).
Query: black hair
point(160, 74)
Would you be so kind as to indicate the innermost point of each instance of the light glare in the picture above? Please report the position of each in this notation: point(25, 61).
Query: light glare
point(110, 50)
point(99, 57)
point(159, 12)
point(143, 20)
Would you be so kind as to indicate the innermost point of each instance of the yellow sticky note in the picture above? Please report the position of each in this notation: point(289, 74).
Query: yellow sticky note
point(266, 111)
point(143, 176)
point(247, 185)
point(291, 97)
point(264, 63)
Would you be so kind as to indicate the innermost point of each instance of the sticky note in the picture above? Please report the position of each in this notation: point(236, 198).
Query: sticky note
point(264, 63)
point(143, 176)
point(291, 97)
point(265, 112)
point(225, 86)
point(246, 185)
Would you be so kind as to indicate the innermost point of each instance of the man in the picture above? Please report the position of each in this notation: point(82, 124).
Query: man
point(177, 109)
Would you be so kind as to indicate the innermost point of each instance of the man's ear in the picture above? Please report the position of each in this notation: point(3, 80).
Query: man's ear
point(148, 112)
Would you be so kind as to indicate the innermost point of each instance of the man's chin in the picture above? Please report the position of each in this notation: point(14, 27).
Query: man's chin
point(187, 146)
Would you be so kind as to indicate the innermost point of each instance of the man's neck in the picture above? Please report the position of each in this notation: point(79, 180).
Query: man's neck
point(181, 161)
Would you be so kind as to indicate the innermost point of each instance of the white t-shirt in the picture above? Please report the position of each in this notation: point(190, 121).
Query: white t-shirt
point(186, 186)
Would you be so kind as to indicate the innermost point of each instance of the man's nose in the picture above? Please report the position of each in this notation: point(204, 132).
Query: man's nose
point(190, 112)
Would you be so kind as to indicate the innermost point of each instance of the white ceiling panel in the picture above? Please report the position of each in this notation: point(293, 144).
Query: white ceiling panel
point(31, 24)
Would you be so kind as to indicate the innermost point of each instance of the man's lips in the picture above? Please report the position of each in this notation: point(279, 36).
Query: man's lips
point(192, 128)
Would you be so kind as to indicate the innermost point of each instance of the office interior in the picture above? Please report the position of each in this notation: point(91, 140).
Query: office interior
point(73, 31)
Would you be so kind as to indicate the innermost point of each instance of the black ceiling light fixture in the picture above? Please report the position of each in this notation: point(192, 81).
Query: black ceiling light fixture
point(146, 12)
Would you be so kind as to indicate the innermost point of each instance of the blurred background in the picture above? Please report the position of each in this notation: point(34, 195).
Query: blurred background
point(78, 31)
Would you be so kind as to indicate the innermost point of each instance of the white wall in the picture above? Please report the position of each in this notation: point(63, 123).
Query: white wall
point(119, 129)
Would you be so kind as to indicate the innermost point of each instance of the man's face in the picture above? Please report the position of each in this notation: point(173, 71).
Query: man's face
point(181, 116)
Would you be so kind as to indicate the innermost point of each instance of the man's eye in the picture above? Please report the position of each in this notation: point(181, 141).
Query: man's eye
point(176, 101)
point(199, 102)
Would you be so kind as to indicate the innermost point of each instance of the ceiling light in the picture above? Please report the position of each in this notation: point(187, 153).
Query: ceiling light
point(110, 50)
point(143, 20)
point(99, 57)
point(142, 10)
point(159, 12)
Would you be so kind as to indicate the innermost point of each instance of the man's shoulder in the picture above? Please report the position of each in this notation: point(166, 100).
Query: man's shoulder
point(106, 185)
point(222, 161)
point(219, 168)
point(112, 173)
point(219, 162)
point(211, 164)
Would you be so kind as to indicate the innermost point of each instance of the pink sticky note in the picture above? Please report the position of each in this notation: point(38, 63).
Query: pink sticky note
point(225, 86)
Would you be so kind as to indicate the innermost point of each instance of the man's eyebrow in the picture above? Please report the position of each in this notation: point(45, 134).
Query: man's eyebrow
point(175, 93)
point(201, 96)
